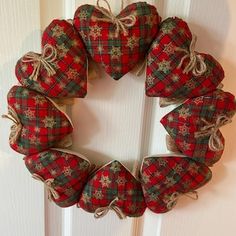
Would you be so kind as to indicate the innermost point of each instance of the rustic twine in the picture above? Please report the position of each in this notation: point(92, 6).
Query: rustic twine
point(211, 129)
point(121, 23)
point(42, 60)
point(175, 196)
point(17, 127)
point(196, 63)
point(51, 192)
point(102, 211)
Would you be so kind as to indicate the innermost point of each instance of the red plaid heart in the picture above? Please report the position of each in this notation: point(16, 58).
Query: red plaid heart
point(64, 174)
point(39, 124)
point(113, 187)
point(174, 69)
point(165, 179)
point(61, 69)
point(194, 125)
point(118, 42)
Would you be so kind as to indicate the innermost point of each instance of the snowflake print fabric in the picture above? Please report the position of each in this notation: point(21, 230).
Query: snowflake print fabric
point(120, 53)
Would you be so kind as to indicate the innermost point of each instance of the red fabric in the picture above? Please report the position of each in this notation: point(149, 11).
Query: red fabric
point(43, 125)
point(69, 173)
point(183, 122)
point(111, 181)
point(117, 54)
point(164, 78)
point(164, 176)
point(70, 65)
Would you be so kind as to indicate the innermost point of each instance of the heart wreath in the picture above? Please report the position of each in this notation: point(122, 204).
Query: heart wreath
point(175, 72)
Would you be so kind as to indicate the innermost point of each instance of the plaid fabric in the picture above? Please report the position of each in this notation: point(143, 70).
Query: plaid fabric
point(118, 55)
point(70, 65)
point(187, 119)
point(68, 171)
point(164, 176)
point(163, 78)
point(111, 181)
point(43, 125)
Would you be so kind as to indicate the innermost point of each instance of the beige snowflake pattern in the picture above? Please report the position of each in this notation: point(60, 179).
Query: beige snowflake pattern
point(168, 89)
point(49, 122)
point(72, 74)
point(34, 140)
point(132, 207)
point(164, 66)
point(150, 80)
point(95, 31)
point(162, 162)
point(62, 85)
point(151, 20)
point(85, 198)
point(121, 181)
point(170, 118)
point(169, 49)
point(184, 146)
point(48, 80)
point(145, 178)
point(29, 114)
point(77, 60)
point(115, 53)
point(75, 43)
point(24, 132)
point(57, 31)
point(83, 165)
point(190, 85)
point(184, 113)
point(167, 28)
point(53, 172)
point(130, 192)
point(170, 181)
point(67, 171)
point(37, 130)
point(24, 67)
point(98, 194)
point(175, 78)
point(83, 15)
point(178, 169)
point(62, 50)
point(184, 130)
point(25, 93)
point(105, 181)
point(198, 100)
point(193, 168)
point(39, 166)
point(17, 106)
point(153, 196)
point(39, 100)
point(115, 167)
point(133, 42)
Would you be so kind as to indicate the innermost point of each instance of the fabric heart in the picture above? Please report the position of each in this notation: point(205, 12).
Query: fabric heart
point(113, 187)
point(118, 42)
point(39, 124)
point(194, 125)
point(165, 179)
point(63, 173)
point(174, 69)
point(61, 69)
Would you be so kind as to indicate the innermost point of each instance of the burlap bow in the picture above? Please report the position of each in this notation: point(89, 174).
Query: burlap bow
point(121, 23)
point(102, 211)
point(196, 64)
point(211, 129)
point(48, 56)
point(17, 127)
point(51, 192)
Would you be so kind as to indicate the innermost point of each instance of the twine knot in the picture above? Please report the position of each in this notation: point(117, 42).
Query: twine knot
point(16, 127)
point(173, 198)
point(48, 56)
point(51, 192)
point(196, 64)
point(211, 129)
point(102, 211)
point(121, 23)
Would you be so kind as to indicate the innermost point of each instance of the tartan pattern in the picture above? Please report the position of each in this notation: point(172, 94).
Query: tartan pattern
point(111, 181)
point(185, 120)
point(43, 124)
point(118, 55)
point(163, 78)
point(70, 173)
point(163, 176)
point(70, 79)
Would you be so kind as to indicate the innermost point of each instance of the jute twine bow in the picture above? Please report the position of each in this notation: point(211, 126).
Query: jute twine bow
point(121, 23)
point(51, 192)
point(175, 196)
point(48, 56)
point(102, 211)
point(211, 129)
point(196, 64)
point(17, 127)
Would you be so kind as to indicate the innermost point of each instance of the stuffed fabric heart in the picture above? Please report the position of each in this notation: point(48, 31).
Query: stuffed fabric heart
point(118, 42)
point(174, 69)
point(113, 187)
point(165, 179)
point(39, 124)
point(61, 69)
point(194, 125)
point(63, 173)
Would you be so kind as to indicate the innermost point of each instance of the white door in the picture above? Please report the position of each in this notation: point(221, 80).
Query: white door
point(115, 121)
